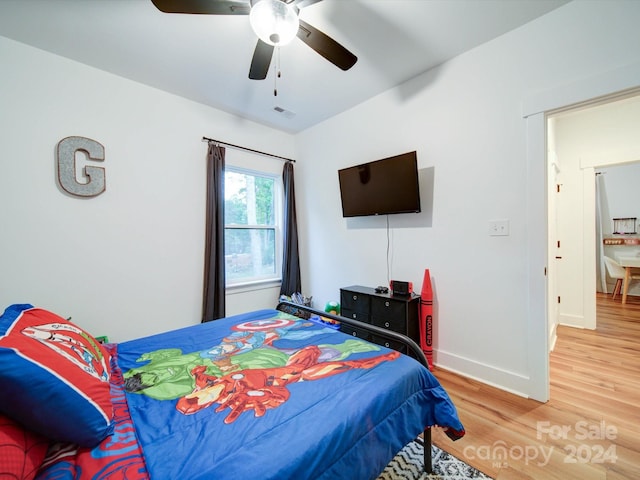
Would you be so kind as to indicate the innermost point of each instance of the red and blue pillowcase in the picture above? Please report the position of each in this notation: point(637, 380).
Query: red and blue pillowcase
point(54, 377)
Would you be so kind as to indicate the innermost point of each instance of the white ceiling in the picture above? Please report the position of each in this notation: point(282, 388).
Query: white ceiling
point(206, 58)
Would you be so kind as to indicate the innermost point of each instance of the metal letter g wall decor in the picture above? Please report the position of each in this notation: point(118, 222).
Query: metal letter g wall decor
point(67, 148)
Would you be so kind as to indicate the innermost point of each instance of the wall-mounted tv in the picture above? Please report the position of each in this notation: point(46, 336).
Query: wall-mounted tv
point(382, 187)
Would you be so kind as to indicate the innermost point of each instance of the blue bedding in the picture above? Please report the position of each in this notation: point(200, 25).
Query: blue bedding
point(266, 395)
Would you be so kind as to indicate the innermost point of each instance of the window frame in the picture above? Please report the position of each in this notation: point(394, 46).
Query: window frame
point(277, 227)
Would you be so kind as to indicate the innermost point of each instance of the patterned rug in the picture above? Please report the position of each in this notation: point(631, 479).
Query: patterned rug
point(408, 464)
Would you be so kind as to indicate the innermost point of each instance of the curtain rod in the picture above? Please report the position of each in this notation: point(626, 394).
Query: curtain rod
point(206, 139)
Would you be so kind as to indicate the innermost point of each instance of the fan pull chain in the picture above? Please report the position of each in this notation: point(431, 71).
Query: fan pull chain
point(276, 71)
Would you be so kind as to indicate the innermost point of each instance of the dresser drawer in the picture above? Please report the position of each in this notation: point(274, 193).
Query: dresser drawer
point(355, 301)
point(388, 308)
point(394, 324)
point(385, 342)
point(355, 315)
point(355, 332)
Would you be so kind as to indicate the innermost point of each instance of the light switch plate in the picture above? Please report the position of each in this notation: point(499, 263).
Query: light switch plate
point(498, 228)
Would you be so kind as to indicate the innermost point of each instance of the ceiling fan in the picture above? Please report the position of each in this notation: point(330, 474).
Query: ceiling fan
point(276, 22)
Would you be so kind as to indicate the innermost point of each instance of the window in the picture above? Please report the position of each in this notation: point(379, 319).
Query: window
point(252, 226)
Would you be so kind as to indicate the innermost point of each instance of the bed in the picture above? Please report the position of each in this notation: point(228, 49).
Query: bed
point(270, 394)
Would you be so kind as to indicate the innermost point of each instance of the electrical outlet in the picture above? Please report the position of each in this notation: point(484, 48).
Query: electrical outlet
point(498, 227)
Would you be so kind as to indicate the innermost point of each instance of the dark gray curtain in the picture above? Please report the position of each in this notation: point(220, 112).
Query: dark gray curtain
point(291, 261)
point(213, 304)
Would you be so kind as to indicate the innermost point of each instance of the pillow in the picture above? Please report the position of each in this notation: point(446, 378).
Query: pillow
point(54, 377)
point(21, 451)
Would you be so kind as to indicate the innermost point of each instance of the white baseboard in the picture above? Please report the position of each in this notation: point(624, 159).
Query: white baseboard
point(576, 321)
point(511, 382)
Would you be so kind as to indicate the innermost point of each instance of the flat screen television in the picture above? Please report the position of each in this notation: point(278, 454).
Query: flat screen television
point(381, 187)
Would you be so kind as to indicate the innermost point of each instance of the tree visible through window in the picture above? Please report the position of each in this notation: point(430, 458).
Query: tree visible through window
point(251, 226)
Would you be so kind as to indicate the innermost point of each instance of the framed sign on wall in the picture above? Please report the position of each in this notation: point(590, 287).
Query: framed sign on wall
point(625, 226)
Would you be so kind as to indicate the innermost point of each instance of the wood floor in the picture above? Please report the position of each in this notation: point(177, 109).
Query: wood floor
point(590, 428)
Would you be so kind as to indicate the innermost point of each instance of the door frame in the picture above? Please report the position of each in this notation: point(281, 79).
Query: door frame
point(535, 111)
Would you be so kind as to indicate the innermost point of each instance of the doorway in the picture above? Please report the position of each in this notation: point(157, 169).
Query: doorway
point(606, 85)
point(580, 141)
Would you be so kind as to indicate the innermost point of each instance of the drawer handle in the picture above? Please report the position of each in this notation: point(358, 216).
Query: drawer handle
point(386, 324)
point(354, 334)
point(353, 315)
point(386, 304)
point(386, 344)
point(355, 297)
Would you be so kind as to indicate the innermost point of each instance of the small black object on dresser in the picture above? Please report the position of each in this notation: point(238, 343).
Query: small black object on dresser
point(396, 313)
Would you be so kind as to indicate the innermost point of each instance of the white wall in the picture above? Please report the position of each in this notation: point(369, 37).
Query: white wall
point(128, 262)
point(620, 188)
point(465, 121)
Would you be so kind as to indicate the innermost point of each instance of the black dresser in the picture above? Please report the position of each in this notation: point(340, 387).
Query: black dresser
point(397, 313)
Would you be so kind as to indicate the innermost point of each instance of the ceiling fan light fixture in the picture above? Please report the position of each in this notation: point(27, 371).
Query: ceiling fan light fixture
point(274, 21)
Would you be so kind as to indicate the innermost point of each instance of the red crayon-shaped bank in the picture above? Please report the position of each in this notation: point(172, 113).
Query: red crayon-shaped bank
point(426, 318)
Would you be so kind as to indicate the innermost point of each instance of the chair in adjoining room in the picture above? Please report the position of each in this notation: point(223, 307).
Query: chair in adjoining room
point(616, 271)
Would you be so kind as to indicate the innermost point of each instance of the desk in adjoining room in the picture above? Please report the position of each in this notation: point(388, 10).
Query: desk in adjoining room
point(628, 262)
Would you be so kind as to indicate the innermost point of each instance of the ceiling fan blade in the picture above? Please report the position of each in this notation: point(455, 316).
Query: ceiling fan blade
point(261, 61)
point(326, 46)
point(206, 7)
point(303, 3)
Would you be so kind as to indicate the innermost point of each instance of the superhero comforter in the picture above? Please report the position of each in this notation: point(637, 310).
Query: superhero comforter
point(263, 395)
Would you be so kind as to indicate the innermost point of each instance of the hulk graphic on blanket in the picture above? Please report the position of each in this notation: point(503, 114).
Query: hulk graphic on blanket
point(245, 371)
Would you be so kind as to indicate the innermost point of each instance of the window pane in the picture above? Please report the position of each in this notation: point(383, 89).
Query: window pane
point(249, 199)
point(249, 253)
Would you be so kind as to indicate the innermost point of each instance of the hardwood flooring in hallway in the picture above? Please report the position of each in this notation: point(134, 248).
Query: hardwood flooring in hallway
point(590, 428)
